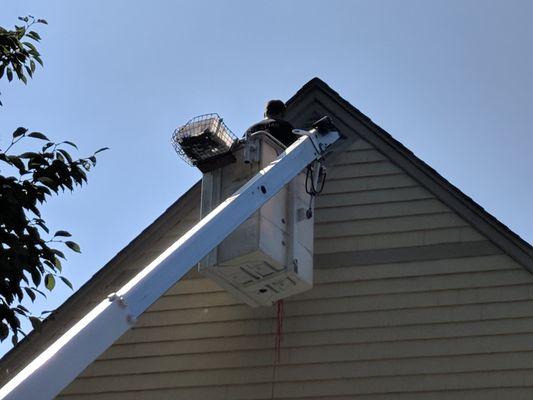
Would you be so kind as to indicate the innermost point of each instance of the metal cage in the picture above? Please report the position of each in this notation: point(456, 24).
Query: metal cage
point(203, 139)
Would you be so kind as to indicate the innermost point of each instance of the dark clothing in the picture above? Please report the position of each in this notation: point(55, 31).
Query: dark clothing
point(279, 128)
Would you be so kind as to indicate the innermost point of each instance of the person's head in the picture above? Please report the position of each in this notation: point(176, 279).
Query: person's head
point(275, 109)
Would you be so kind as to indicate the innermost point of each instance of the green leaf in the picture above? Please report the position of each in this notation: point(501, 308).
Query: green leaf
point(66, 155)
point(38, 135)
point(32, 66)
point(42, 21)
point(19, 311)
point(19, 132)
point(38, 291)
point(22, 308)
point(4, 331)
point(62, 233)
point(29, 154)
point(73, 246)
point(100, 150)
point(17, 162)
point(35, 210)
point(71, 144)
point(49, 281)
point(32, 47)
point(34, 35)
point(47, 181)
point(49, 264)
point(85, 164)
point(58, 253)
point(14, 340)
point(30, 293)
point(9, 73)
point(47, 146)
point(82, 176)
point(35, 323)
point(43, 226)
point(67, 282)
point(35, 276)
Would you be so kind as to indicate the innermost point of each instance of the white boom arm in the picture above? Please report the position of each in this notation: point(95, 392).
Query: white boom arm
point(65, 359)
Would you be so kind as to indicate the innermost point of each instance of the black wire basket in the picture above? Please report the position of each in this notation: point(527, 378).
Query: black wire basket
point(203, 140)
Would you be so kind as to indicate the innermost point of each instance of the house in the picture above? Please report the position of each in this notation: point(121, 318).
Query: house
point(419, 294)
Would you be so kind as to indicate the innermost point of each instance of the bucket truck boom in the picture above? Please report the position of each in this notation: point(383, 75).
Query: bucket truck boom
point(51, 371)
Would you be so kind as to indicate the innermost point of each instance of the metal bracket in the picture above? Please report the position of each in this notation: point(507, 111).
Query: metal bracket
point(116, 298)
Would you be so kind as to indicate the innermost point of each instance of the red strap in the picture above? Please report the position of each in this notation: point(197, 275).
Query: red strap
point(279, 329)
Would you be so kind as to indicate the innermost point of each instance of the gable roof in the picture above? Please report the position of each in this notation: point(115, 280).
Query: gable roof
point(314, 99)
point(350, 119)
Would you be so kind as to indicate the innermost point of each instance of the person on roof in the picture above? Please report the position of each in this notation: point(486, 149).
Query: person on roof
point(275, 124)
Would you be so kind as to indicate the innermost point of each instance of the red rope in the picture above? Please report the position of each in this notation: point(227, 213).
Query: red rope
point(279, 339)
point(279, 329)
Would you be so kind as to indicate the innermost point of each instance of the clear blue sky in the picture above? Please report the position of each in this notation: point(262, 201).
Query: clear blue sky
point(452, 80)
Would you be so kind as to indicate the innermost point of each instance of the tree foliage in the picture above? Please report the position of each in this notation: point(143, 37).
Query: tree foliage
point(31, 255)
point(17, 52)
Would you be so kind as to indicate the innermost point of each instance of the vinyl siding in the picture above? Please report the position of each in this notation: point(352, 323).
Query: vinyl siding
point(410, 302)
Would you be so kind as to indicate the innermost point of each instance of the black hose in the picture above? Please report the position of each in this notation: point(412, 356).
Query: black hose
point(311, 190)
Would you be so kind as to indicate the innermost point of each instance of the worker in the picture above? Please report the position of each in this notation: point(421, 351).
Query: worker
point(275, 124)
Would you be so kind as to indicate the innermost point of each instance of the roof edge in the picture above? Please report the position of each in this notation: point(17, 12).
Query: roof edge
point(109, 270)
point(510, 242)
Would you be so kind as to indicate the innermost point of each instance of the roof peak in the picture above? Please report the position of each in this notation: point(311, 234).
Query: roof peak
point(487, 224)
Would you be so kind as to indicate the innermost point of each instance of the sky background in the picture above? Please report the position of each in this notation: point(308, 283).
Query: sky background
point(451, 80)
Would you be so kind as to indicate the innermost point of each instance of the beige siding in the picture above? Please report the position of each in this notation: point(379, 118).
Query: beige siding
point(410, 302)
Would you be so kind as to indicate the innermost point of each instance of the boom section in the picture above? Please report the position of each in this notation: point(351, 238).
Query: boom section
point(51, 371)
